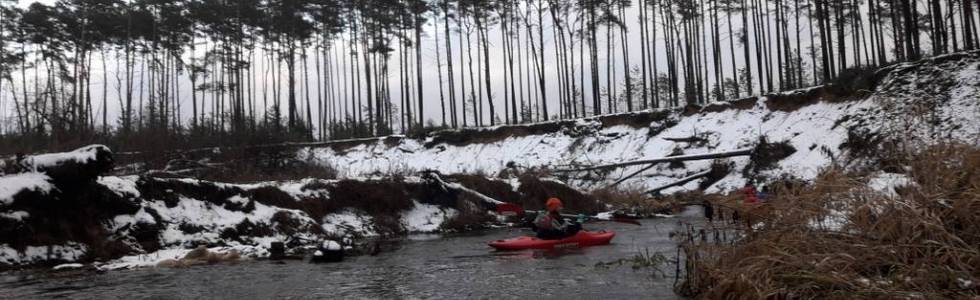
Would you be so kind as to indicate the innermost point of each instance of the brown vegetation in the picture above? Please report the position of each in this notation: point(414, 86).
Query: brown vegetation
point(836, 238)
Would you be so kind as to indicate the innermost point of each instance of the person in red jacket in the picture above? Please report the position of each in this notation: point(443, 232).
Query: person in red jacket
point(751, 197)
point(552, 226)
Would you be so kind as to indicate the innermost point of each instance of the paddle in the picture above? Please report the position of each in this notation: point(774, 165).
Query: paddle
point(510, 209)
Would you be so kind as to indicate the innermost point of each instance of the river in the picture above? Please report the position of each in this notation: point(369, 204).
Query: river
point(423, 266)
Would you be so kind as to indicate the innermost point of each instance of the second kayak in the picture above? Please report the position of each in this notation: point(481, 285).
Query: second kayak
point(581, 239)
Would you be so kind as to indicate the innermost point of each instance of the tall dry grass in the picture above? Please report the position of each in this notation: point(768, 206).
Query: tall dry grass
point(838, 238)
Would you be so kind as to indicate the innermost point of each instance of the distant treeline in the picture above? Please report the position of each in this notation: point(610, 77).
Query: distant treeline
point(355, 49)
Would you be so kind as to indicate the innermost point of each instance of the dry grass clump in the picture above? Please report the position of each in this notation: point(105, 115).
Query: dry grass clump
point(838, 238)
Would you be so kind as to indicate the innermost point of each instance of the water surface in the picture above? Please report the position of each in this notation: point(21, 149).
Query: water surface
point(453, 267)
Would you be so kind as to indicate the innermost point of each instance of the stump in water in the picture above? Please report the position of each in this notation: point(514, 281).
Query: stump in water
point(277, 251)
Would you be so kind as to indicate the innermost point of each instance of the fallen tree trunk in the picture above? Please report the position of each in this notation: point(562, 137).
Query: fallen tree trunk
point(627, 177)
point(690, 139)
point(488, 202)
point(741, 152)
point(680, 182)
point(82, 165)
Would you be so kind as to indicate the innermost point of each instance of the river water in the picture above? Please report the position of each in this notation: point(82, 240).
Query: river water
point(447, 267)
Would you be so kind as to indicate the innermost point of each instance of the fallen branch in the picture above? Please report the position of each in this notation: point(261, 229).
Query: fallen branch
point(682, 181)
point(690, 139)
point(740, 152)
point(631, 175)
point(488, 201)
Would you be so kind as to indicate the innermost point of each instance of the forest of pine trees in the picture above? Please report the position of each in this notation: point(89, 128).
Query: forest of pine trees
point(266, 70)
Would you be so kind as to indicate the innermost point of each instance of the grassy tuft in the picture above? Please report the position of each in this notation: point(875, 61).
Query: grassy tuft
point(838, 238)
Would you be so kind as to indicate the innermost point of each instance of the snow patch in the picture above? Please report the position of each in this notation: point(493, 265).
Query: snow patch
point(15, 215)
point(348, 222)
point(68, 266)
point(10, 185)
point(121, 185)
point(887, 183)
point(141, 216)
point(330, 245)
point(426, 217)
point(32, 254)
point(154, 258)
point(80, 155)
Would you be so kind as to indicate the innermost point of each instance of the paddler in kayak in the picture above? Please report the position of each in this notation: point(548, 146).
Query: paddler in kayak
point(552, 226)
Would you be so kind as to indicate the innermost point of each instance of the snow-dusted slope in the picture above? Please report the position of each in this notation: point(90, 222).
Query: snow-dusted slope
point(158, 218)
point(925, 101)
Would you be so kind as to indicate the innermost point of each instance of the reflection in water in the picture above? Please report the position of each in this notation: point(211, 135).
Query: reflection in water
point(424, 266)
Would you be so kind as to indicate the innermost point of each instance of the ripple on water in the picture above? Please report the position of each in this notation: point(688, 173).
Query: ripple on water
point(458, 266)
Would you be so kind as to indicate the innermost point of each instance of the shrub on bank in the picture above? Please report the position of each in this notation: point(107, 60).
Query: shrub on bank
point(913, 235)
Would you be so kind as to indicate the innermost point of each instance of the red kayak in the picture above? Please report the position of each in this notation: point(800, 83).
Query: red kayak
point(581, 239)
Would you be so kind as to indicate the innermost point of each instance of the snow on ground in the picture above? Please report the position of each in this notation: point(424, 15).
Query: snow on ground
point(141, 216)
point(817, 131)
point(80, 155)
point(887, 183)
point(834, 220)
point(18, 215)
point(68, 252)
point(10, 185)
point(211, 219)
point(68, 266)
point(152, 259)
point(121, 185)
point(185, 221)
point(809, 130)
point(330, 245)
point(295, 188)
point(426, 217)
point(967, 106)
point(349, 222)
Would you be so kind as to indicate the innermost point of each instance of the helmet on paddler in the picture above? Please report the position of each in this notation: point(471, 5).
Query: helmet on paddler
point(553, 204)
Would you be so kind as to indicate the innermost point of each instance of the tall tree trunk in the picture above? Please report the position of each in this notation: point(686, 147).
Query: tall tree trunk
point(731, 47)
point(541, 79)
point(449, 67)
point(746, 48)
point(823, 41)
point(442, 96)
point(968, 29)
point(462, 75)
point(911, 30)
point(486, 68)
point(418, 69)
point(626, 61)
point(472, 99)
point(644, 90)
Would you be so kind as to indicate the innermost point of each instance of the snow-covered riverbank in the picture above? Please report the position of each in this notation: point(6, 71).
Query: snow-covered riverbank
point(928, 101)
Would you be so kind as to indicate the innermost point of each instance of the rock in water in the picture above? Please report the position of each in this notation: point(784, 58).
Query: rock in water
point(329, 251)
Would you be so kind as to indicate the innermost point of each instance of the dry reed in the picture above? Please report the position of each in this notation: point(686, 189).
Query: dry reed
point(839, 238)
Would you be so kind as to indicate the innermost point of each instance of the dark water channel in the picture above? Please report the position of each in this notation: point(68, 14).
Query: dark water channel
point(449, 267)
